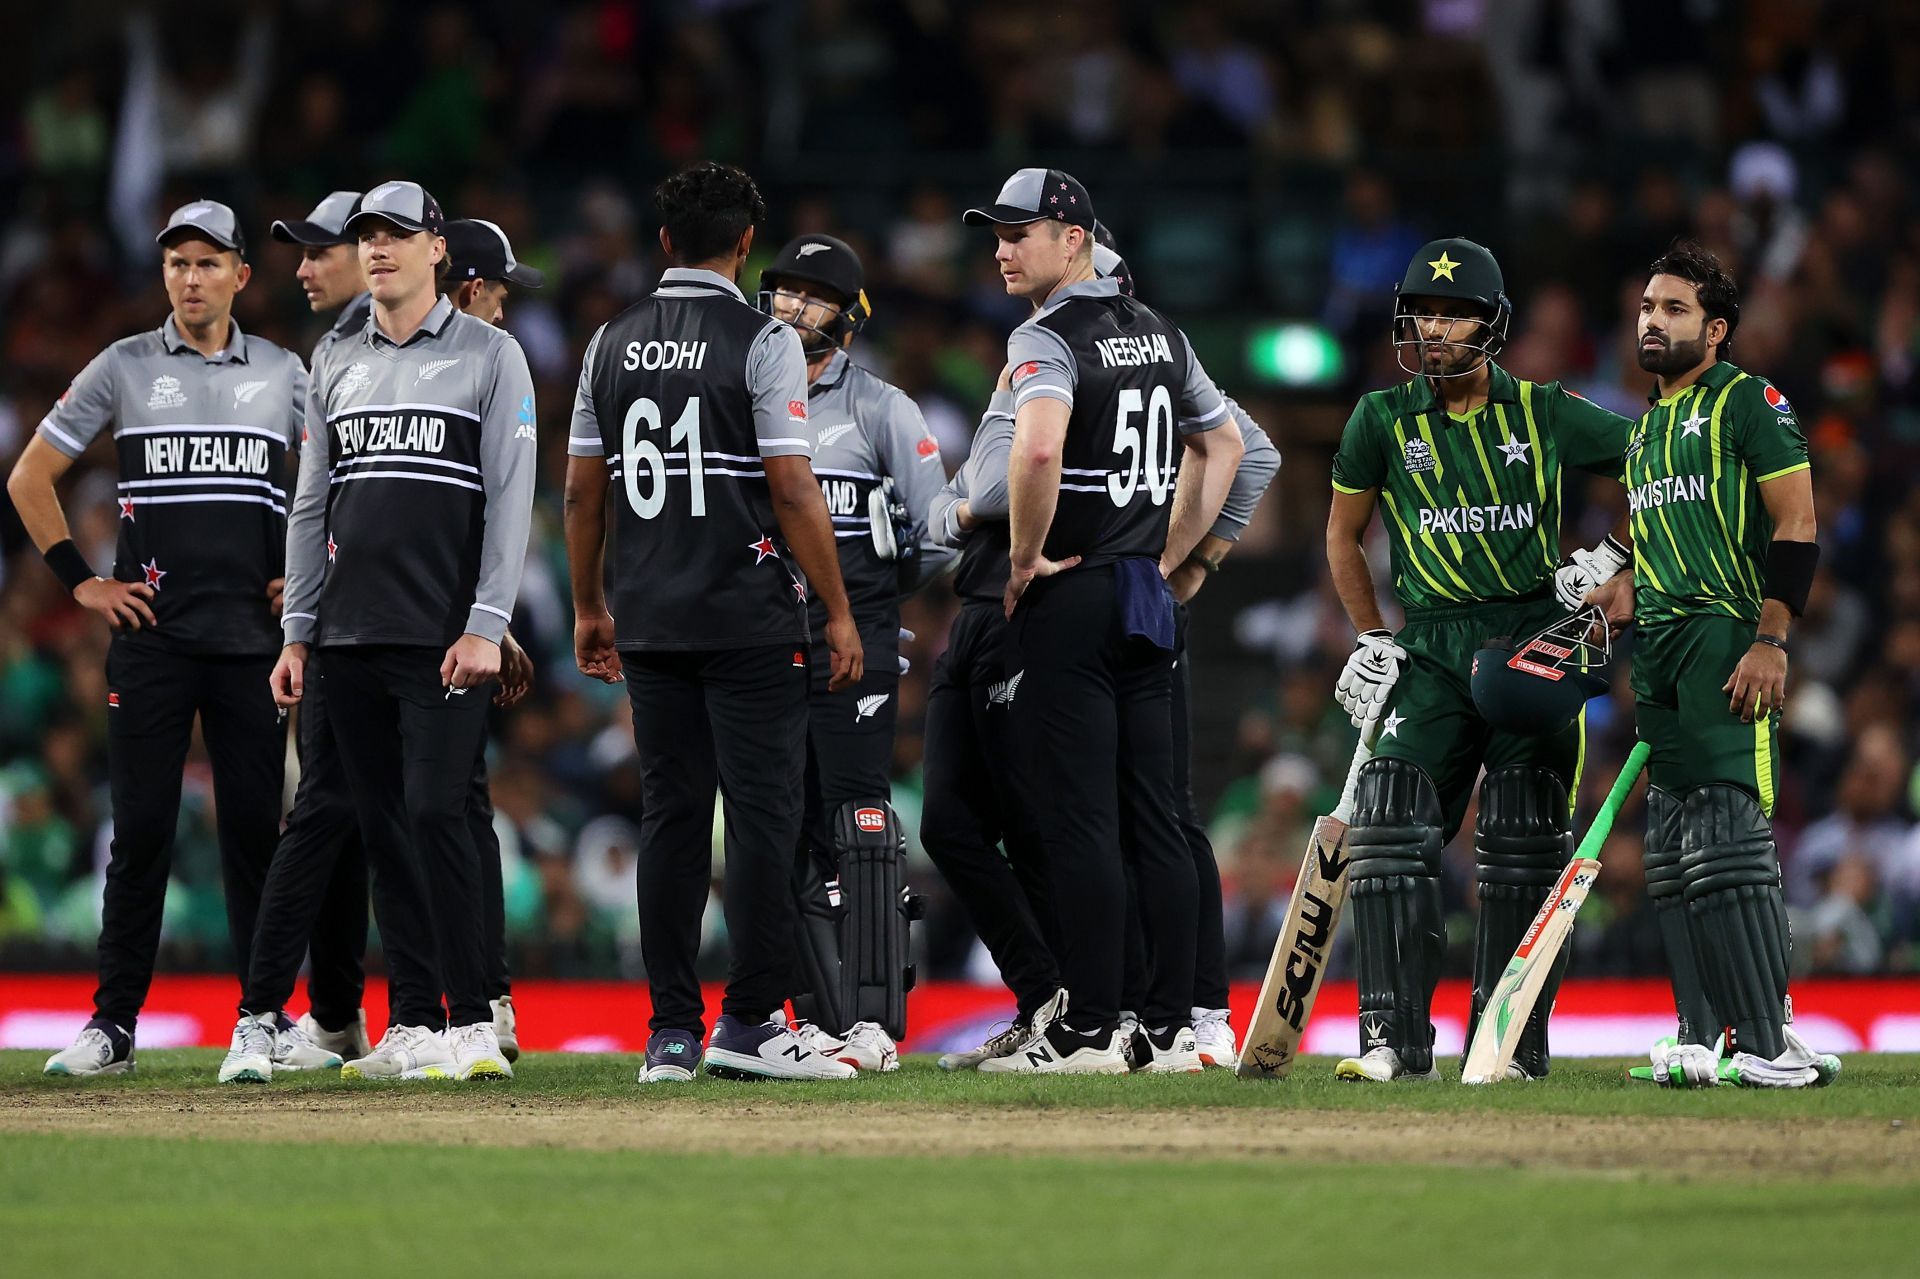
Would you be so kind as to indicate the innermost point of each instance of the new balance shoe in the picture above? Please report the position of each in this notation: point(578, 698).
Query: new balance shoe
point(770, 1050)
point(1059, 1049)
point(672, 1057)
point(250, 1054)
point(102, 1048)
point(998, 1044)
point(504, 1028)
point(1378, 1066)
point(868, 1047)
point(476, 1052)
point(294, 1050)
point(1213, 1038)
point(405, 1052)
point(1171, 1050)
point(348, 1044)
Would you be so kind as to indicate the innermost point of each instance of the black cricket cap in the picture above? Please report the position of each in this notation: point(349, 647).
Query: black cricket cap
point(325, 226)
point(407, 205)
point(1036, 195)
point(1107, 262)
point(819, 259)
point(209, 219)
point(481, 251)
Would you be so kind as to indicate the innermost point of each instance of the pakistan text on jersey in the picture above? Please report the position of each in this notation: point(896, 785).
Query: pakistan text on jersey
point(1149, 348)
point(208, 454)
point(1476, 519)
point(1665, 490)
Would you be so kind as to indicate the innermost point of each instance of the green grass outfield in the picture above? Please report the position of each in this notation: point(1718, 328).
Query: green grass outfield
point(593, 1175)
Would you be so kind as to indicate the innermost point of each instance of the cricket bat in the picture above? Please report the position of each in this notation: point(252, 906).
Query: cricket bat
point(1511, 1003)
point(1300, 953)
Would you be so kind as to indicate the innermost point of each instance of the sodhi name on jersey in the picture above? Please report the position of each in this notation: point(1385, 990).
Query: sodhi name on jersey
point(1476, 519)
point(1665, 490)
point(216, 454)
point(381, 432)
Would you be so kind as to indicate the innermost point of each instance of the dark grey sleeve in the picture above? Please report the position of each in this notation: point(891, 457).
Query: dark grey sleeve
point(509, 457)
point(1043, 365)
point(307, 523)
point(297, 405)
point(1202, 407)
point(987, 465)
point(1258, 465)
point(911, 455)
point(941, 526)
point(84, 410)
point(583, 432)
point(777, 382)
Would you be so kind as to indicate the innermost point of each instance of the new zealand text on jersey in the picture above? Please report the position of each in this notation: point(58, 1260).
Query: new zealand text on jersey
point(1148, 348)
point(1476, 519)
point(397, 432)
point(207, 454)
point(1666, 490)
point(843, 497)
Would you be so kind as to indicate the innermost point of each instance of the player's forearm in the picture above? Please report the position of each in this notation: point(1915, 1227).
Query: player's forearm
point(31, 487)
point(1775, 619)
point(1353, 581)
point(1033, 494)
point(583, 517)
point(1214, 466)
point(808, 530)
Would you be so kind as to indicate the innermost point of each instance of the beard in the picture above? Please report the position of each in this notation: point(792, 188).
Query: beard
point(1675, 357)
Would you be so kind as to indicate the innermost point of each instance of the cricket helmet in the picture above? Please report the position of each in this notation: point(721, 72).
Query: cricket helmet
point(1458, 269)
point(1538, 686)
point(831, 265)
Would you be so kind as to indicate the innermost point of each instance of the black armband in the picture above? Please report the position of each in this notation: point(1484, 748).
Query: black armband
point(1200, 561)
point(1790, 573)
point(68, 564)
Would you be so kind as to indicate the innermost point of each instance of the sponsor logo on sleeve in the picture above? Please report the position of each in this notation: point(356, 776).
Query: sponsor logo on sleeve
point(1025, 371)
point(797, 409)
point(1776, 401)
point(928, 448)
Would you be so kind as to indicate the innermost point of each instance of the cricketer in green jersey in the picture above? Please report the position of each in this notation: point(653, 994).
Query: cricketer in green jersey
point(1465, 462)
point(1721, 507)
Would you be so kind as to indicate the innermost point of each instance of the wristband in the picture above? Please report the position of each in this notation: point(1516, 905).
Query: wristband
point(1211, 566)
point(1790, 573)
point(68, 564)
point(1772, 641)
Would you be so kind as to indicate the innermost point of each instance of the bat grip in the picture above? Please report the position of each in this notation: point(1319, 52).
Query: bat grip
point(1362, 752)
point(1622, 787)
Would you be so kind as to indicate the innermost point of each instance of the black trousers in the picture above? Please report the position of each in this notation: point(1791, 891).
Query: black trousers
point(736, 718)
point(973, 807)
point(408, 747)
point(1093, 737)
point(153, 696)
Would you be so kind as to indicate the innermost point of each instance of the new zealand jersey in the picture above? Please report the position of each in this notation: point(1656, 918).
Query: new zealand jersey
point(1472, 502)
point(1134, 388)
point(202, 446)
point(683, 394)
point(1694, 466)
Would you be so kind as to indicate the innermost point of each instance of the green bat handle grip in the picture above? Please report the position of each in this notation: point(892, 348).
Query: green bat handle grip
point(1622, 786)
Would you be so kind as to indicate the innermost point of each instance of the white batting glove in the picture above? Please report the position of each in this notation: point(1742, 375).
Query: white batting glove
point(1369, 676)
point(1678, 1065)
point(1586, 571)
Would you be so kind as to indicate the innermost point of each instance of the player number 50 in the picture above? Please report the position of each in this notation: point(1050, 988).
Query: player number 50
point(1154, 454)
point(639, 450)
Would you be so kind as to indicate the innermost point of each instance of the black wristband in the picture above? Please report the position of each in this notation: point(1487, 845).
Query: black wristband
point(68, 564)
point(1211, 566)
point(1790, 568)
point(1621, 549)
point(1772, 641)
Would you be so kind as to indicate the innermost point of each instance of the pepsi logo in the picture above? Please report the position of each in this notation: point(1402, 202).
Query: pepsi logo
point(869, 819)
point(1775, 400)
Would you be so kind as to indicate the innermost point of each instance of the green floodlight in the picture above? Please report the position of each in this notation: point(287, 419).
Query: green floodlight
point(1298, 354)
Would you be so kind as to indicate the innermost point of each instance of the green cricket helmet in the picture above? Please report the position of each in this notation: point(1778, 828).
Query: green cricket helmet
point(1538, 686)
point(1460, 270)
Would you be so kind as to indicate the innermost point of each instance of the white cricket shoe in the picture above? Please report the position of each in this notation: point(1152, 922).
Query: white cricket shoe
point(94, 1052)
point(1213, 1037)
point(1132, 1043)
point(250, 1054)
point(997, 1045)
point(1172, 1051)
point(503, 1028)
point(349, 1044)
point(293, 1049)
point(1053, 1049)
point(405, 1052)
point(868, 1047)
point(770, 1050)
point(477, 1053)
point(1378, 1066)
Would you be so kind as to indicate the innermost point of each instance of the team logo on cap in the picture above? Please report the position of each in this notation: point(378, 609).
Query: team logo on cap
point(808, 249)
point(869, 819)
point(166, 393)
point(1775, 400)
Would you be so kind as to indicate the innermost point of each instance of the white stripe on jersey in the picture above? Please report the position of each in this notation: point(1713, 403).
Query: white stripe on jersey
point(405, 475)
point(394, 408)
point(362, 459)
point(209, 428)
point(274, 489)
point(254, 498)
point(46, 424)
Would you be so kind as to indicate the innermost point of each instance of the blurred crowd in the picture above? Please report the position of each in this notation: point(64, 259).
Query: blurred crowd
point(1261, 160)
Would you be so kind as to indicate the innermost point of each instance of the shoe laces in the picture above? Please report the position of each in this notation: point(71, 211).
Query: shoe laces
point(1007, 1040)
point(253, 1037)
point(98, 1040)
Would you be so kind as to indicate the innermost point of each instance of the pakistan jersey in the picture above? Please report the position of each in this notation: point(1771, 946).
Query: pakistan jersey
point(1472, 501)
point(1694, 467)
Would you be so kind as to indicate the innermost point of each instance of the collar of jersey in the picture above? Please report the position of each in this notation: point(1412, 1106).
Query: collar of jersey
point(354, 315)
point(1718, 374)
point(830, 376)
point(236, 348)
point(436, 321)
point(699, 275)
point(1502, 388)
point(1099, 287)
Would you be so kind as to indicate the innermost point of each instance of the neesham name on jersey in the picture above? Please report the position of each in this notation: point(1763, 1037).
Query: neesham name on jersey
point(1476, 519)
point(386, 432)
point(219, 454)
point(1667, 489)
point(1126, 352)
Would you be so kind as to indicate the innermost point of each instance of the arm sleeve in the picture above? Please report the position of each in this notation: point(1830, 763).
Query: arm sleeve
point(84, 411)
point(1356, 463)
point(1588, 436)
point(984, 477)
point(1202, 407)
point(583, 432)
point(307, 524)
point(1767, 431)
point(508, 460)
point(297, 407)
point(912, 457)
point(1258, 465)
point(1043, 365)
point(777, 385)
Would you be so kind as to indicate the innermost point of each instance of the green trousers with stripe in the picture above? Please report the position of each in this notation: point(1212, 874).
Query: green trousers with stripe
point(1679, 668)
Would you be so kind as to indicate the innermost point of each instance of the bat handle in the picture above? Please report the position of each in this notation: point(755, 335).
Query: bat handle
point(1362, 752)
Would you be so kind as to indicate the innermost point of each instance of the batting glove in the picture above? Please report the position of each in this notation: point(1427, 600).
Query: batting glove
point(1587, 571)
point(1369, 676)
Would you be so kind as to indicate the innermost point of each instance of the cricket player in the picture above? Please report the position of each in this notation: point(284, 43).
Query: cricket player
point(1104, 388)
point(1465, 460)
point(404, 558)
point(879, 469)
point(1721, 501)
point(202, 417)
point(694, 404)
